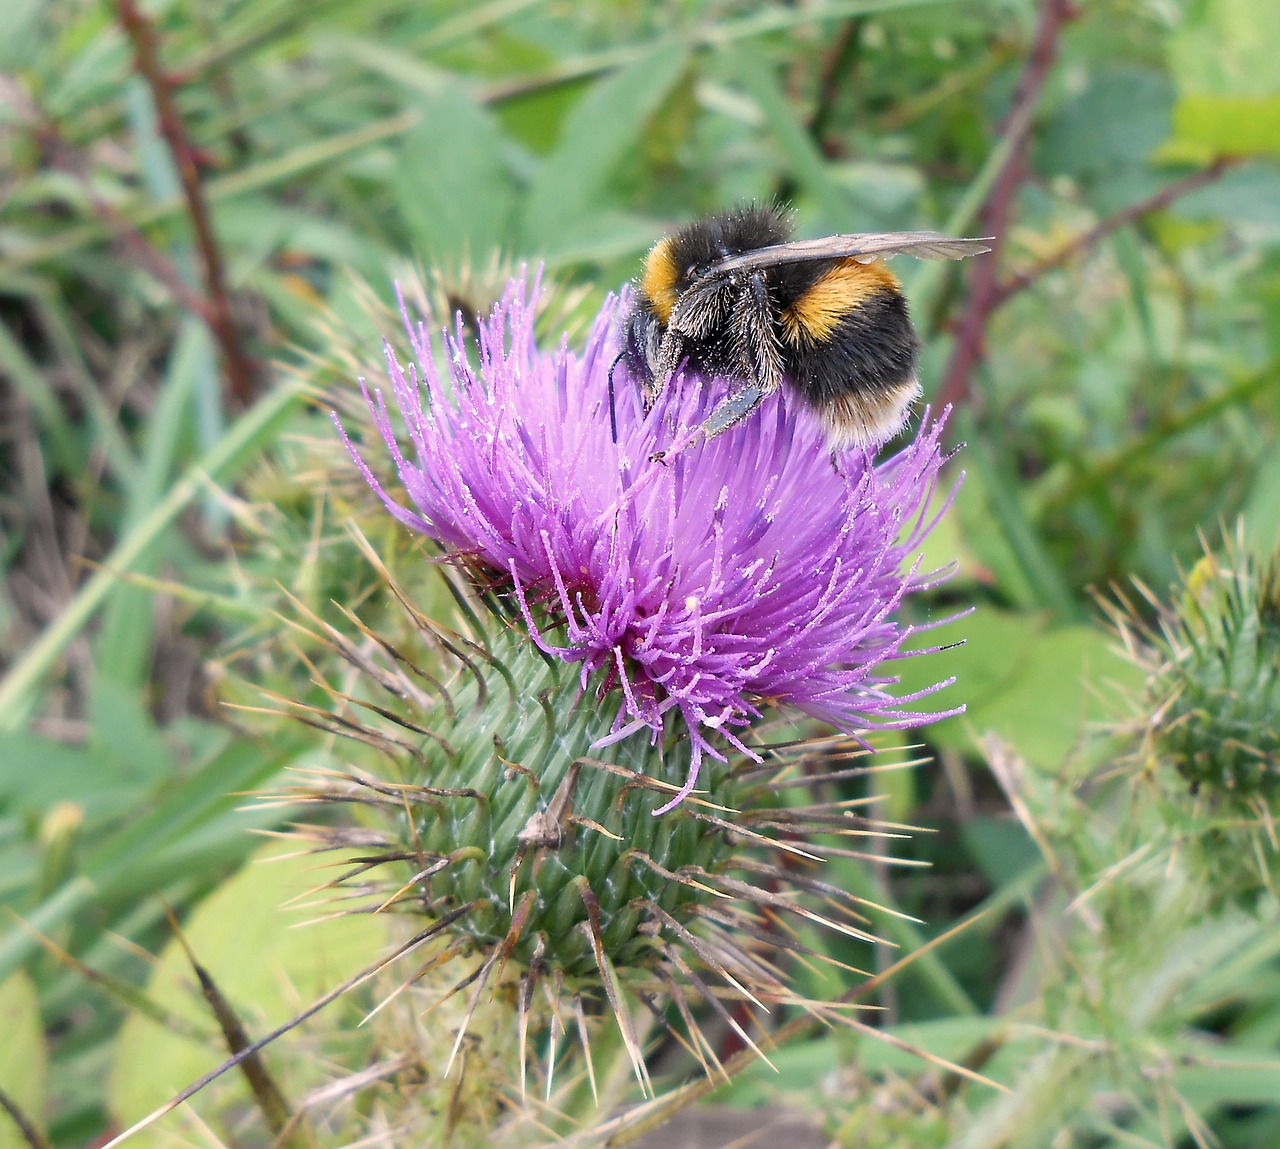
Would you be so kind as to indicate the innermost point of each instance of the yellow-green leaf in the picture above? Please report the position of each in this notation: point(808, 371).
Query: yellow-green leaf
point(1223, 59)
point(268, 965)
point(23, 1058)
point(1229, 125)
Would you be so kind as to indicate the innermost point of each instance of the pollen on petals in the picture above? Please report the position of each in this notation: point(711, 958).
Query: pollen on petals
point(733, 575)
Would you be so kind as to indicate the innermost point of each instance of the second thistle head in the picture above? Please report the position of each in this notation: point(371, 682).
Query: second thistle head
point(1212, 731)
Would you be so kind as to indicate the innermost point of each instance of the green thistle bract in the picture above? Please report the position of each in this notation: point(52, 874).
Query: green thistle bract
point(499, 824)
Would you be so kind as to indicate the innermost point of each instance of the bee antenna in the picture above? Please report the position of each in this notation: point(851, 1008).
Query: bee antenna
point(613, 412)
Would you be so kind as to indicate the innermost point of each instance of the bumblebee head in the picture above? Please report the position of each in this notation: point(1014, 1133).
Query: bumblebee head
point(676, 262)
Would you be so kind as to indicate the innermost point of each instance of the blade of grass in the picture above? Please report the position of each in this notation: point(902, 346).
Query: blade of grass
point(598, 133)
point(30, 381)
point(57, 329)
point(262, 175)
point(803, 161)
point(786, 17)
point(469, 22)
point(1002, 487)
point(712, 35)
point(124, 644)
point(1136, 452)
point(220, 464)
point(60, 329)
point(923, 281)
point(928, 967)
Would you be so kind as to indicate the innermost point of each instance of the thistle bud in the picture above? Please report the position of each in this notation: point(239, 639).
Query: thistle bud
point(1213, 699)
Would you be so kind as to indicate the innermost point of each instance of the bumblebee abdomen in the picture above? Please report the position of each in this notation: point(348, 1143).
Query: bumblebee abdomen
point(818, 308)
point(849, 332)
point(860, 378)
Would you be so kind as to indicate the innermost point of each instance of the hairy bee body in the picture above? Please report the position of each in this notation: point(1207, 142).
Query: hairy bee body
point(733, 296)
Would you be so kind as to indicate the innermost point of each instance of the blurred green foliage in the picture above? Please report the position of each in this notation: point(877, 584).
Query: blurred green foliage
point(1126, 399)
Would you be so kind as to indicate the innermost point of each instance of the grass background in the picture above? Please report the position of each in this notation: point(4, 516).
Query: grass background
point(1115, 370)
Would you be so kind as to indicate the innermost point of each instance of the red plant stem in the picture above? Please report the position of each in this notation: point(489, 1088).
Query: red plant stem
point(65, 158)
point(142, 36)
point(1086, 240)
point(158, 264)
point(997, 209)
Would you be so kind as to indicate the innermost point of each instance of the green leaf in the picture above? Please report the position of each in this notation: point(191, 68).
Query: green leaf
point(191, 829)
point(802, 1064)
point(1058, 690)
point(36, 772)
point(1116, 122)
point(140, 212)
point(796, 1067)
point(131, 744)
point(604, 127)
point(123, 648)
point(998, 485)
point(20, 36)
point(1228, 1075)
point(1247, 194)
point(23, 1057)
point(1037, 688)
point(1224, 60)
point(803, 159)
point(1001, 848)
point(219, 464)
point(948, 544)
point(403, 67)
point(1262, 508)
point(453, 186)
point(952, 1037)
point(1227, 48)
point(92, 58)
point(26, 377)
point(265, 963)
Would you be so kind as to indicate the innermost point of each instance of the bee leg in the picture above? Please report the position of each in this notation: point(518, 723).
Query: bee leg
point(733, 410)
point(670, 353)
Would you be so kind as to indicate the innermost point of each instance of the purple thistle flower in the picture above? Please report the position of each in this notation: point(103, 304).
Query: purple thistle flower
point(740, 573)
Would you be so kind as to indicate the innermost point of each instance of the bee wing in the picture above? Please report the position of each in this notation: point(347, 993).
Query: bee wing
point(863, 247)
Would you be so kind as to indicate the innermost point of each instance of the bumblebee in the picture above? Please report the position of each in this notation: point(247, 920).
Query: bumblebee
point(733, 295)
